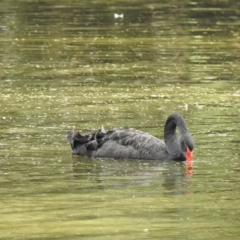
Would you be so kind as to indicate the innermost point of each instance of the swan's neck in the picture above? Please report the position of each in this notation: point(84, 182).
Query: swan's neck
point(170, 137)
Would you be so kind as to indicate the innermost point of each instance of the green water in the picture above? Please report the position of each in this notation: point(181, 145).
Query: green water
point(74, 65)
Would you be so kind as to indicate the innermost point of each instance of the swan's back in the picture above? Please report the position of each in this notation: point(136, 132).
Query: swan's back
point(119, 143)
point(129, 143)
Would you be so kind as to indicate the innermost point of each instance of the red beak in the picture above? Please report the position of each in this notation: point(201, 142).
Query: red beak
point(189, 154)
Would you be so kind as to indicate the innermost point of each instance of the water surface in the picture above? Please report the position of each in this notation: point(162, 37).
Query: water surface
point(77, 65)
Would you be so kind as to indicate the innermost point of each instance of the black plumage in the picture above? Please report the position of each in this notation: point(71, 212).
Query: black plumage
point(129, 143)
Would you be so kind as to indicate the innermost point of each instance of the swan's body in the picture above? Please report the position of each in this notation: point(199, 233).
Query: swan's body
point(129, 143)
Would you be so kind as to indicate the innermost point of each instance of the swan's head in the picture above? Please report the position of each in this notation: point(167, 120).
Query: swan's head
point(187, 145)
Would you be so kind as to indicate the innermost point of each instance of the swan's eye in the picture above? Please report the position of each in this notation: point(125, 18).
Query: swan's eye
point(187, 147)
point(190, 147)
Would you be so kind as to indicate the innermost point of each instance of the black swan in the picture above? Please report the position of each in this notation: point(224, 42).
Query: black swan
point(129, 143)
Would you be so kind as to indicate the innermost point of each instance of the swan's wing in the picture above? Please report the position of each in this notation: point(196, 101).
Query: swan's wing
point(84, 145)
point(129, 143)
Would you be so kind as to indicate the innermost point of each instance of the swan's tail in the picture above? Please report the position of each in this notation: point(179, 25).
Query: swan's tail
point(85, 145)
